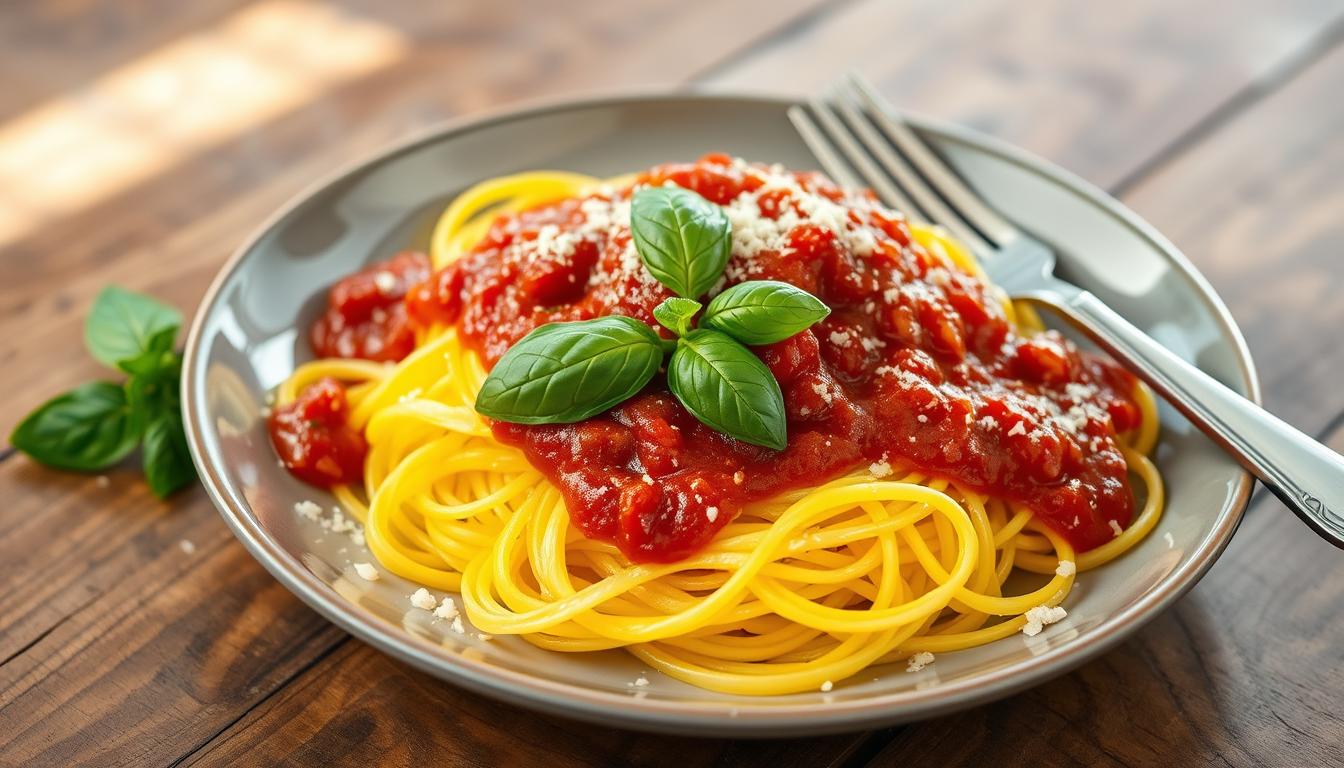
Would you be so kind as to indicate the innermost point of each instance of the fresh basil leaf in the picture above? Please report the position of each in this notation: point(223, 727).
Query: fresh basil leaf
point(156, 390)
point(763, 311)
point(567, 372)
point(675, 314)
point(158, 354)
point(122, 324)
point(727, 387)
point(683, 239)
point(88, 428)
point(166, 459)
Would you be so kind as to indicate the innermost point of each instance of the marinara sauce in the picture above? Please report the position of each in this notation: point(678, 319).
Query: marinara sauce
point(917, 366)
point(312, 440)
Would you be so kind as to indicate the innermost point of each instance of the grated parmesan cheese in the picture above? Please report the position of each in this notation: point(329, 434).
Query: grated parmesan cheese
point(447, 609)
point(827, 686)
point(919, 661)
point(879, 469)
point(1066, 568)
point(1115, 527)
point(423, 600)
point(386, 281)
point(711, 513)
point(1042, 616)
point(367, 572)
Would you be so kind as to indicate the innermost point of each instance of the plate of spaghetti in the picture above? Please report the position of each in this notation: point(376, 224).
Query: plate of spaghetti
point(614, 408)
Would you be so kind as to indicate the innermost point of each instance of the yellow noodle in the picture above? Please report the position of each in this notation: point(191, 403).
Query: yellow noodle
point(797, 593)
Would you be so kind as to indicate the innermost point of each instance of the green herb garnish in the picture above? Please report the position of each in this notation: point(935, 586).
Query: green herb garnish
point(566, 372)
point(96, 425)
point(683, 239)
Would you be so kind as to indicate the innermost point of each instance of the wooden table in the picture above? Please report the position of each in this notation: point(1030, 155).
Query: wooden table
point(140, 141)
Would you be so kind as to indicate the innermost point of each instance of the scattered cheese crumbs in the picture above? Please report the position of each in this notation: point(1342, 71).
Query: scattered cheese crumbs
point(827, 686)
point(739, 477)
point(187, 546)
point(457, 626)
point(103, 481)
point(1042, 616)
point(879, 469)
point(1115, 527)
point(423, 600)
point(640, 682)
point(919, 661)
point(484, 636)
point(922, 419)
point(647, 480)
point(447, 609)
point(1020, 428)
point(367, 572)
point(840, 338)
point(824, 391)
point(308, 509)
point(711, 513)
point(1171, 540)
point(386, 281)
point(1066, 568)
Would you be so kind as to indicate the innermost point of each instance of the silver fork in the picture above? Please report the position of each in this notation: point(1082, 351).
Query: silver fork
point(861, 141)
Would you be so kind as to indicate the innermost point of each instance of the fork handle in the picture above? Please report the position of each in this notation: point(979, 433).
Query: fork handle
point(1306, 476)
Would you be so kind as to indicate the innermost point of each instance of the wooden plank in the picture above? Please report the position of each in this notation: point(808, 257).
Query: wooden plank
point(1246, 670)
point(36, 39)
point(1099, 91)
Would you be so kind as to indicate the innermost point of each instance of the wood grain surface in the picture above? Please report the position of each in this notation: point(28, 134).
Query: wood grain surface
point(137, 632)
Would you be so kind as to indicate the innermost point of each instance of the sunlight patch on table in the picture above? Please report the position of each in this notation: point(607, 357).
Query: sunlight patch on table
point(157, 110)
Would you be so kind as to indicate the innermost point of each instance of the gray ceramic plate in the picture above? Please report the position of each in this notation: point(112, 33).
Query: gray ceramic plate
point(247, 337)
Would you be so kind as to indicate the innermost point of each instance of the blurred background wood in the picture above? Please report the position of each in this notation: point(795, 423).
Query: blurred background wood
point(140, 141)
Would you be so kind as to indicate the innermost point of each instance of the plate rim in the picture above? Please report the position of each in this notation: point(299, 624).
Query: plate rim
point(702, 718)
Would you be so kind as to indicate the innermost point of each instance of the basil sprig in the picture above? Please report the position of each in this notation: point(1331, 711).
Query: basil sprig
point(98, 424)
point(567, 372)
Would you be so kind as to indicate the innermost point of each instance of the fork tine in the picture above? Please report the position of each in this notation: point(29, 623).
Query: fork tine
point(880, 182)
point(995, 228)
point(935, 210)
point(821, 149)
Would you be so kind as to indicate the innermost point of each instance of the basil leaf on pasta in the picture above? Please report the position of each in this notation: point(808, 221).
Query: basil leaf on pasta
point(123, 324)
point(763, 311)
point(88, 428)
point(567, 372)
point(683, 239)
point(728, 388)
point(675, 314)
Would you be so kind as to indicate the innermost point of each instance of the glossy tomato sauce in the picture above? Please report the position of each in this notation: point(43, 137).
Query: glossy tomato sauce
point(311, 437)
point(917, 366)
point(365, 315)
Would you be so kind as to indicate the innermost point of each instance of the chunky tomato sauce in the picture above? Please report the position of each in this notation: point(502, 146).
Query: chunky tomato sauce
point(311, 437)
point(917, 366)
point(366, 312)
